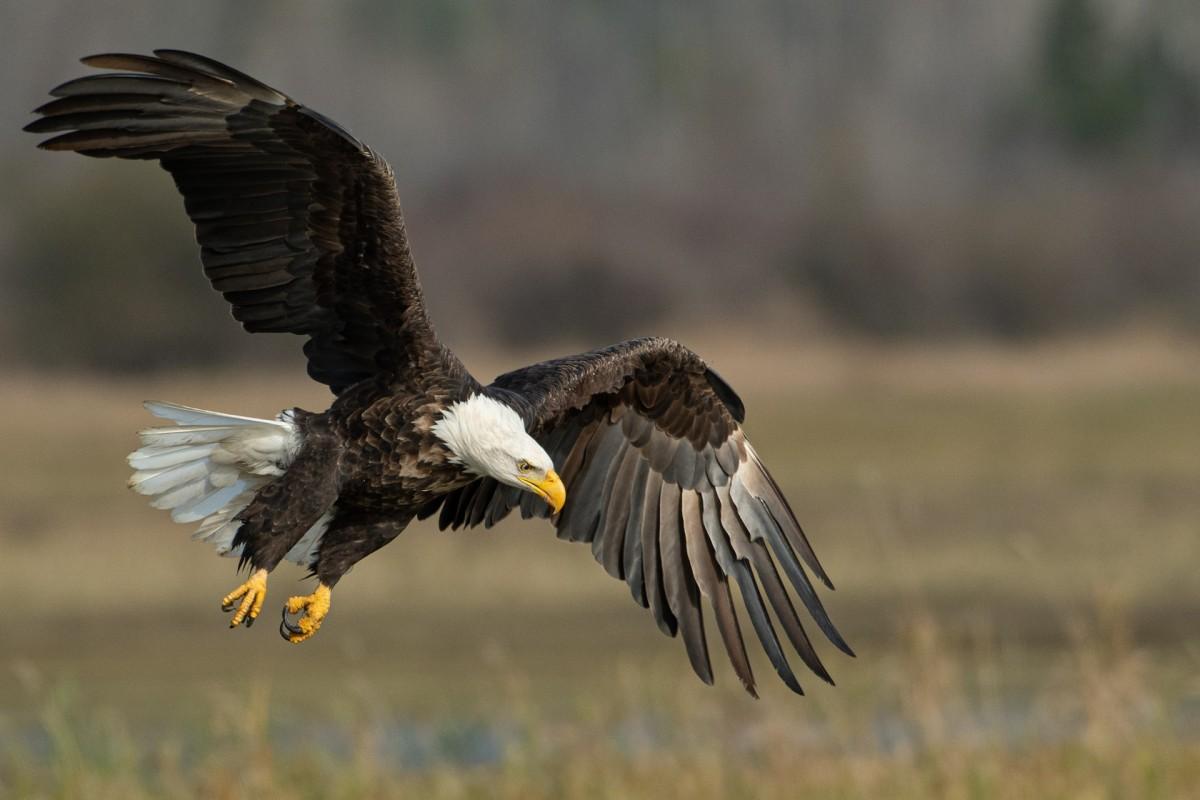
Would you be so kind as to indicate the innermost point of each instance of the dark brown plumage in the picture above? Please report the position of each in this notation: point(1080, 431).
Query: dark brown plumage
point(300, 229)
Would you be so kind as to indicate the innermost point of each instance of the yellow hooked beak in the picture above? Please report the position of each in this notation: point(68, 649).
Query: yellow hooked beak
point(550, 489)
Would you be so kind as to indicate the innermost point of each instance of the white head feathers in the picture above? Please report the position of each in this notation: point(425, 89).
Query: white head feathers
point(488, 438)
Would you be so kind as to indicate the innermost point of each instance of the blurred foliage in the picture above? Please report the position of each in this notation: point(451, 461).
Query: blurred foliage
point(578, 301)
point(436, 27)
point(1101, 92)
point(117, 285)
point(1085, 224)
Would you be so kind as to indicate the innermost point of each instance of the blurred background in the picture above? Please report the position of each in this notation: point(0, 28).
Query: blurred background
point(947, 252)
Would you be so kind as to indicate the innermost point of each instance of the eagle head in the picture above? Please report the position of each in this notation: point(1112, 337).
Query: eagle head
point(488, 438)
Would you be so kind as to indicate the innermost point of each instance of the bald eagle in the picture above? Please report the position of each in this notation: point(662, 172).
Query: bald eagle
point(635, 449)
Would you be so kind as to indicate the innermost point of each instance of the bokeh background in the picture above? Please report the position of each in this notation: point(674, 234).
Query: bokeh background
point(948, 253)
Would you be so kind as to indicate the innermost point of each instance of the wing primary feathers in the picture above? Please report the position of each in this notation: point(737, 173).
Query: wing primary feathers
point(651, 569)
point(723, 517)
point(116, 142)
point(715, 588)
point(731, 635)
point(698, 554)
point(154, 66)
point(803, 586)
point(785, 612)
point(143, 103)
point(121, 83)
point(681, 590)
point(121, 120)
point(762, 625)
point(579, 518)
point(615, 520)
point(714, 516)
point(633, 534)
point(762, 526)
point(575, 457)
point(782, 513)
point(710, 514)
point(216, 69)
point(607, 507)
point(554, 440)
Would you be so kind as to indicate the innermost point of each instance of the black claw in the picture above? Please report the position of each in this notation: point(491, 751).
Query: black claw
point(249, 620)
point(227, 607)
point(286, 627)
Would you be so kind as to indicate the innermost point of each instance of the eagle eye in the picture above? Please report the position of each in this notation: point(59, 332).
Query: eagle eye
point(524, 466)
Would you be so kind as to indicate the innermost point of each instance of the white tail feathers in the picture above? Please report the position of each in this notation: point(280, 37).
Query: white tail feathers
point(208, 467)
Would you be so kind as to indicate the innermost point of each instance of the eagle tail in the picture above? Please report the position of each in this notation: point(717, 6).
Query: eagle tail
point(207, 466)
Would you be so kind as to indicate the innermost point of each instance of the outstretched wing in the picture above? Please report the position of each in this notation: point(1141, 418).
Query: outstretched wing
point(298, 222)
point(673, 499)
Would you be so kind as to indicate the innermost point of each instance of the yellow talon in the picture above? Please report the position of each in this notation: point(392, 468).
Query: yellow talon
point(252, 593)
point(315, 607)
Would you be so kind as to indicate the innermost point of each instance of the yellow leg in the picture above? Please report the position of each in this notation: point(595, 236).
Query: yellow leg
point(252, 593)
point(315, 607)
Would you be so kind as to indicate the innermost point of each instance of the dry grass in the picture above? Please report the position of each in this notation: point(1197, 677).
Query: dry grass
point(1013, 535)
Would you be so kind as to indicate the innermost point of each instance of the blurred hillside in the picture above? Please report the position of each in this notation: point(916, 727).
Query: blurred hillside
point(997, 169)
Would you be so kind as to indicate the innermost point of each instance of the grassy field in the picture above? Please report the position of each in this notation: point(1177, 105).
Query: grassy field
point(1014, 535)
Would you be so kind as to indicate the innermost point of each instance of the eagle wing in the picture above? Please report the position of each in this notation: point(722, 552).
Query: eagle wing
point(298, 222)
point(663, 484)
